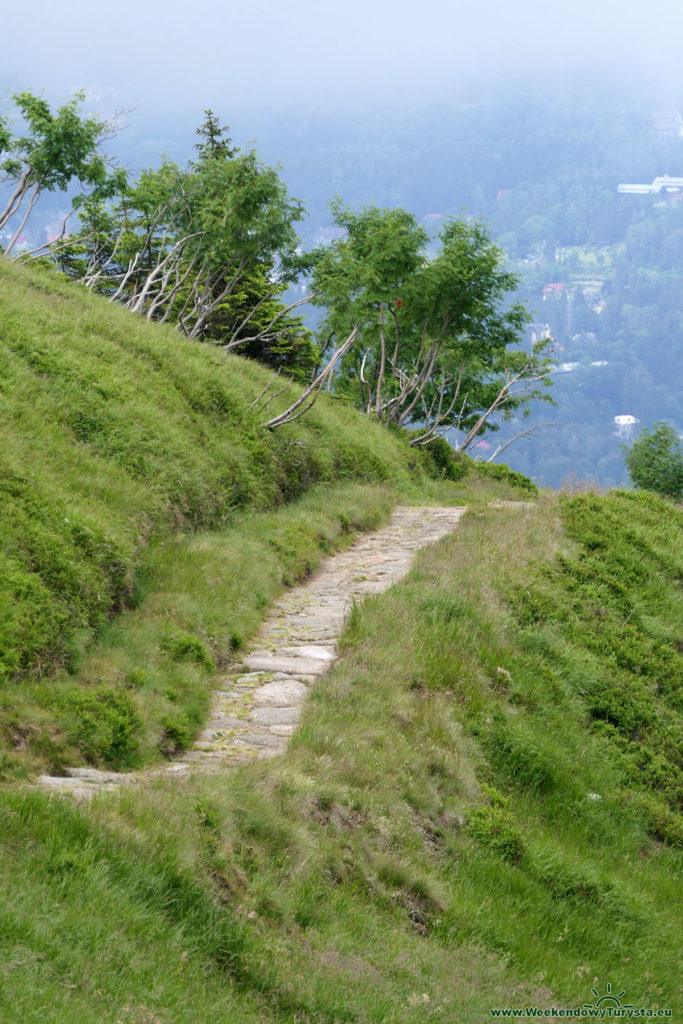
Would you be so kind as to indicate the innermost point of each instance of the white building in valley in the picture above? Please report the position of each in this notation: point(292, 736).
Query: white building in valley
point(625, 426)
point(663, 183)
point(667, 124)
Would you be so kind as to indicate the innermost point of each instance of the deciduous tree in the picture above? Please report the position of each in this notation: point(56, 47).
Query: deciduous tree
point(211, 247)
point(55, 150)
point(438, 335)
point(655, 461)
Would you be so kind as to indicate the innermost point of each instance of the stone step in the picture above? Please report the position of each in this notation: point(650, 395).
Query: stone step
point(281, 693)
point(292, 666)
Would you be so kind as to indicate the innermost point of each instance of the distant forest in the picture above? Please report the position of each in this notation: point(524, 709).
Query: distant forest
point(542, 169)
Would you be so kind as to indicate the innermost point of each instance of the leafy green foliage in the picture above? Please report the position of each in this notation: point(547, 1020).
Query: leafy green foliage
point(210, 247)
point(431, 329)
point(104, 724)
point(57, 148)
point(493, 827)
point(61, 579)
point(499, 471)
point(185, 646)
point(214, 139)
point(602, 602)
point(655, 461)
point(445, 461)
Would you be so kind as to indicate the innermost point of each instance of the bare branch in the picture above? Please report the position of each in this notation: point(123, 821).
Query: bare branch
point(17, 197)
point(34, 199)
point(423, 378)
point(506, 395)
point(265, 390)
point(443, 420)
point(138, 305)
point(53, 246)
point(522, 433)
point(313, 389)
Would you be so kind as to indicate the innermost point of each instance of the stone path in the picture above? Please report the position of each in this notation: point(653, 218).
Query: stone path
point(259, 705)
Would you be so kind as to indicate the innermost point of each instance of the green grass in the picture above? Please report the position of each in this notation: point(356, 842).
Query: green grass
point(142, 692)
point(147, 520)
point(450, 829)
point(115, 431)
point(481, 806)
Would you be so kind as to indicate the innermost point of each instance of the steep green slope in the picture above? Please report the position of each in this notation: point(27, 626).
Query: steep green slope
point(113, 431)
point(476, 812)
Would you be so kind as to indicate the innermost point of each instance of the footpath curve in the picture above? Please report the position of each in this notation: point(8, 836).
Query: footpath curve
point(259, 704)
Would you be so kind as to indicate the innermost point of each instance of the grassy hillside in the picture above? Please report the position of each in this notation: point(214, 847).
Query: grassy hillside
point(482, 805)
point(146, 520)
point(115, 431)
point(481, 809)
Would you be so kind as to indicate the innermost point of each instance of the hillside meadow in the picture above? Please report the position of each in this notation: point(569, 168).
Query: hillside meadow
point(148, 519)
point(481, 808)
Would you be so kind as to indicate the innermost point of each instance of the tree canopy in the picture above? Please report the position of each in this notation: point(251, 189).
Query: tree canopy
point(55, 149)
point(210, 247)
point(655, 461)
point(417, 333)
point(438, 334)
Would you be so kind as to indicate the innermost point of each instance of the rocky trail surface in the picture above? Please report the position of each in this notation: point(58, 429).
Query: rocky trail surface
point(259, 704)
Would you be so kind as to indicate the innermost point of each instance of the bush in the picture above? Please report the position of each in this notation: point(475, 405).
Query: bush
point(186, 647)
point(493, 828)
point(105, 726)
point(655, 461)
point(443, 461)
point(499, 471)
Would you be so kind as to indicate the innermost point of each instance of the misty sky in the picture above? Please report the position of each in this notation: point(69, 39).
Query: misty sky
point(178, 56)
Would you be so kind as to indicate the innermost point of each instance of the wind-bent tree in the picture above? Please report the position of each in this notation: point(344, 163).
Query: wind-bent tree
point(56, 150)
point(210, 247)
point(436, 340)
point(655, 460)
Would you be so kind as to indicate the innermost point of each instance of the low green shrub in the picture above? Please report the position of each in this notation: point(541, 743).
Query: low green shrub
point(443, 461)
point(182, 646)
point(493, 827)
point(104, 724)
point(655, 460)
point(177, 734)
point(499, 471)
point(612, 603)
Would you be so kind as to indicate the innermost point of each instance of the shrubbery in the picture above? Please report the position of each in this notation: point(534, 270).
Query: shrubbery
point(655, 461)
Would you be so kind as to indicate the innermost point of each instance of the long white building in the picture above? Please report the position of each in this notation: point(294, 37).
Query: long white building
point(664, 182)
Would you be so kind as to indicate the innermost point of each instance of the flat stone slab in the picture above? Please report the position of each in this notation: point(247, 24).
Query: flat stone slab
point(260, 739)
point(270, 715)
point(221, 722)
point(95, 775)
point(310, 651)
point(293, 666)
point(281, 693)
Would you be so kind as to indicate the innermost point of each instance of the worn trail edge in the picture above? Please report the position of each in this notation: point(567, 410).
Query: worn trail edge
point(258, 706)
